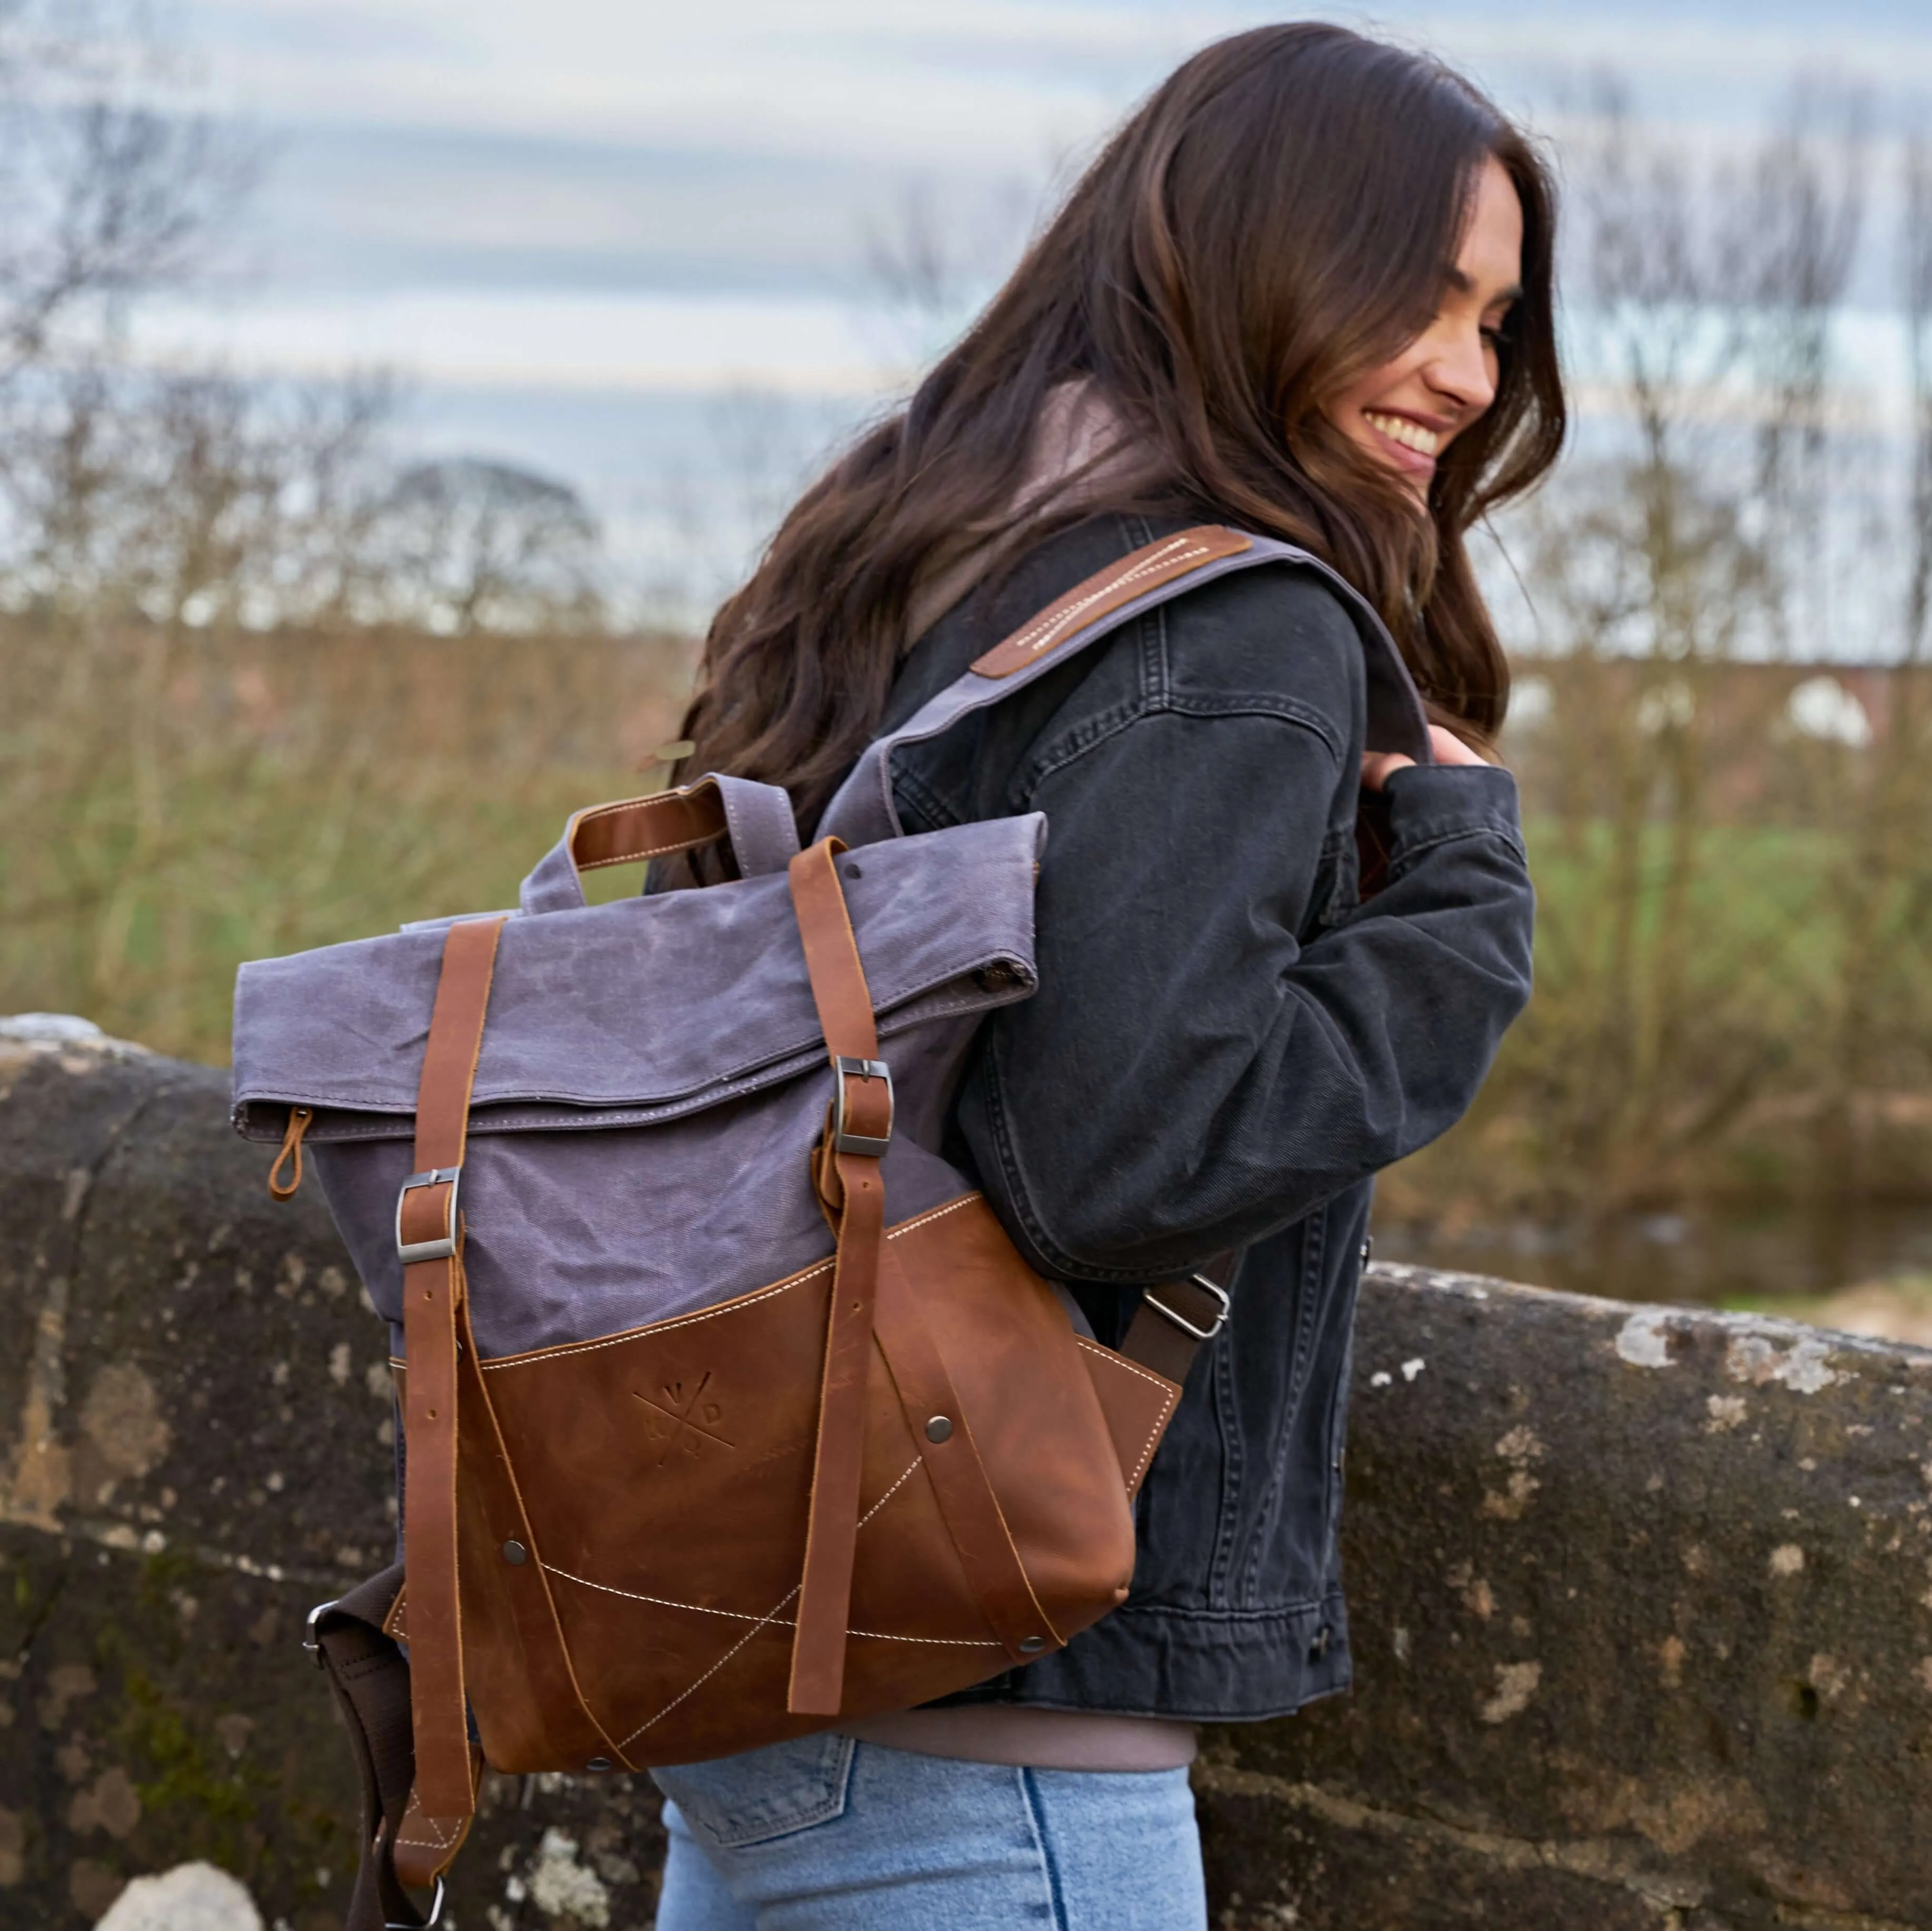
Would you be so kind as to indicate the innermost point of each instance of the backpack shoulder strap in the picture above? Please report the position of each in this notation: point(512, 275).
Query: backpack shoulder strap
point(861, 812)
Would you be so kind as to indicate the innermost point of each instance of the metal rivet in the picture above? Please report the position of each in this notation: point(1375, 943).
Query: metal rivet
point(515, 1552)
point(853, 871)
point(1032, 1645)
point(938, 1428)
point(1319, 1648)
point(598, 1764)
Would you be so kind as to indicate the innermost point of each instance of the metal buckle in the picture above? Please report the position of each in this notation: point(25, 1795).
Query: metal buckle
point(1222, 1304)
point(444, 1249)
point(842, 1142)
point(310, 1641)
point(435, 1913)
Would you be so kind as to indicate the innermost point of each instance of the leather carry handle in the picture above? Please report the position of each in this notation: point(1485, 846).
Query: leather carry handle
point(429, 1236)
point(756, 818)
point(850, 1180)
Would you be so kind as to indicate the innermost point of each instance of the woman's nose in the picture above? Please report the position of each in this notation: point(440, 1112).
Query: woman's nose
point(1462, 370)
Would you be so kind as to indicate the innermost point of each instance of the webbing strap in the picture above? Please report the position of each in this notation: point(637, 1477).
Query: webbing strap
point(369, 1678)
point(855, 1192)
point(428, 1224)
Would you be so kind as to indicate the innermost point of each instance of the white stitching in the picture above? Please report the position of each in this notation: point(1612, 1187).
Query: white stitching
point(442, 1843)
point(774, 1619)
point(735, 1616)
point(1049, 625)
point(627, 1741)
point(1159, 561)
point(711, 1313)
point(655, 851)
point(911, 1467)
point(654, 1328)
point(1159, 1380)
point(657, 1601)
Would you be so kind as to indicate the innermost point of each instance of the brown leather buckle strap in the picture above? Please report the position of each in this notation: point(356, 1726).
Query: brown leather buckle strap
point(429, 1236)
point(864, 1124)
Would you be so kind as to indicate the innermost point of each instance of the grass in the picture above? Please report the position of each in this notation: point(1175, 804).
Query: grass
point(247, 797)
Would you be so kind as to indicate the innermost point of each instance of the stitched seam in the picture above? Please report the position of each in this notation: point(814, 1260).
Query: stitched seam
point(735, 1615)
point(774, 1620)
point(1030, 1797)
point(911, 1467)
point(1056, 759)
point(1408, 853)
point(682, 1696)
point(650, 851)
point(664, 1327)
point(441, 1841)
point(1024, 640)
point(712, 1313)
point(1154, 1435)
point(656, 1602)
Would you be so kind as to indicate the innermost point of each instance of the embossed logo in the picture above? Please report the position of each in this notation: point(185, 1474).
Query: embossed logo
point(679, 1420)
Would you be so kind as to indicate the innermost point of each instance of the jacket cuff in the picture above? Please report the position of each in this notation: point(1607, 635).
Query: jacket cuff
point(1429, 804)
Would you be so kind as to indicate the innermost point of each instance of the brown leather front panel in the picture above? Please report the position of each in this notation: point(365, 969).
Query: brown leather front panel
point(666, 1476)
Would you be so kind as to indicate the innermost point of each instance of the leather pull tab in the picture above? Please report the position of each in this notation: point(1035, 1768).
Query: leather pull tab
point(299, 1118)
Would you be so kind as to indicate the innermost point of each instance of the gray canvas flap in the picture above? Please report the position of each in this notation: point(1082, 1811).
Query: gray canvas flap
point(642, 1009)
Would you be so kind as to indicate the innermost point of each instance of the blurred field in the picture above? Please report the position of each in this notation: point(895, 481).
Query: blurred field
point(175, 805)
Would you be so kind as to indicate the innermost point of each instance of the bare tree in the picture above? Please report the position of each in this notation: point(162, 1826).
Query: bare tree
point(111, 185)
point(470, 544)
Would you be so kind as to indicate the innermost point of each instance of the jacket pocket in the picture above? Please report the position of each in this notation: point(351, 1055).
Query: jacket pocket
point(760, 1794)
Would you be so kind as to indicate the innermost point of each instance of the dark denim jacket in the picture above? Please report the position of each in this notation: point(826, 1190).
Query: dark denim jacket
point(1225, 1047)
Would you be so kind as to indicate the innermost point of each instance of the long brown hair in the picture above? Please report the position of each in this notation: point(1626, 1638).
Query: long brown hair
point(1277, 219)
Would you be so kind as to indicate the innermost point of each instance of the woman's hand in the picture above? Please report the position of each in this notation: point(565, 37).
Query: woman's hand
point(1447, 747)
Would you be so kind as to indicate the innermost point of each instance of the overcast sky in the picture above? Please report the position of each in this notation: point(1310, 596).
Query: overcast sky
point(633, 191)
point(573, 225)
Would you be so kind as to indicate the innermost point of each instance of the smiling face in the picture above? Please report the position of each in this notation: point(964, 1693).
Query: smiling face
point(1407, 412)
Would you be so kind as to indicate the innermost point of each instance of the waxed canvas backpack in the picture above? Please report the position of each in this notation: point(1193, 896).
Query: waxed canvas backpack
point(729, 1409)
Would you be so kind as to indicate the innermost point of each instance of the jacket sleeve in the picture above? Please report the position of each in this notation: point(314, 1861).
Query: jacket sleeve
point(1191, 1076)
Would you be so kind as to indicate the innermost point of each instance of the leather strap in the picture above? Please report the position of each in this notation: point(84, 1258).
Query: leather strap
point(855, 1188)
point(1150, 568)
point(971, 1510)
point(433, 1291)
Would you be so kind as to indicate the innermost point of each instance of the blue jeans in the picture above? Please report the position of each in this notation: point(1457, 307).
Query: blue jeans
point(828, 1834)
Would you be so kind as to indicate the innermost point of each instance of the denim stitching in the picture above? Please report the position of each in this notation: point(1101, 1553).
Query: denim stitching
point(1029, 1796)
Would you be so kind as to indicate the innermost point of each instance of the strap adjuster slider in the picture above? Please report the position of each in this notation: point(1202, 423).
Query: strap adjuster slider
point(1222, 1305)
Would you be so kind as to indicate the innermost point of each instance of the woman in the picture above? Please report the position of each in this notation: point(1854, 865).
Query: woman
point(1306, 291)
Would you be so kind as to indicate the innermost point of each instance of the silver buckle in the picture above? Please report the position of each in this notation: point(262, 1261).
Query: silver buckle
point(435, 1913)
point(444, 1249)
point(1222, 1304)
point(842, 1142)
point(310, 1641)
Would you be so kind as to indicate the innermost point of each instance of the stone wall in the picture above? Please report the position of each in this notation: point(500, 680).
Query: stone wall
point(1642, 1597)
